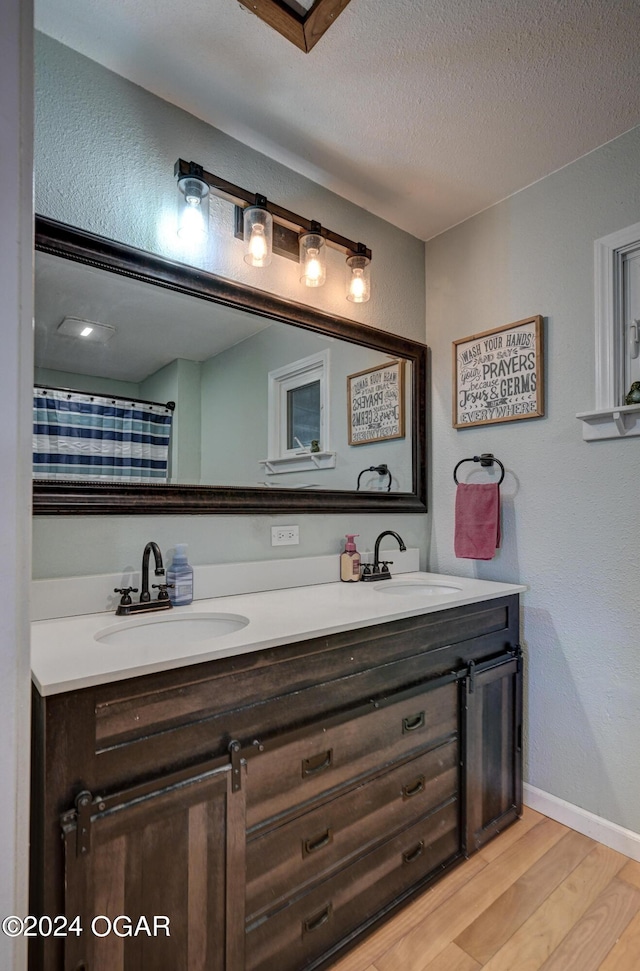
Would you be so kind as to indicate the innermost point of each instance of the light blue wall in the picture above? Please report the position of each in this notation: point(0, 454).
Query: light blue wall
point(85, 382)
point(179, 382)
point(235, 413)
point(104, 155)
point(570, 509)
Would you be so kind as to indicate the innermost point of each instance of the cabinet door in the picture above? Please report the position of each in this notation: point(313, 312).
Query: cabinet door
point(156, 858)
point(493, 736)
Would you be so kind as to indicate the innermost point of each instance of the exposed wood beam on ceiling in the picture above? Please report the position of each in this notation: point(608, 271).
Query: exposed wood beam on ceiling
point(303, 31)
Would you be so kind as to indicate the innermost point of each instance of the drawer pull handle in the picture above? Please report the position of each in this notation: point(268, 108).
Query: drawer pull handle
point(313, 923)
point(413, 788)
point(317, 763)
point(413, 854)
point(412, 723)
point(316, 842)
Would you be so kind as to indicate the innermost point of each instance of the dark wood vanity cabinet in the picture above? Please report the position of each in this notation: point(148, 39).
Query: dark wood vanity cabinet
point(273, 806)
point(345, 816)
point(145, 875)
point(493, 760)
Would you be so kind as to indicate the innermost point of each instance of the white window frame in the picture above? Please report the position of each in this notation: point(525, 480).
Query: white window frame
point(611, 418)
point(280, 458)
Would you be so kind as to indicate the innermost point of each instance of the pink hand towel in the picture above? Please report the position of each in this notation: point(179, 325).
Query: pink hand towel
point(477, 526)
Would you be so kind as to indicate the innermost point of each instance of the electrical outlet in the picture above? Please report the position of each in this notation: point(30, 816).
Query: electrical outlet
point(284, 536)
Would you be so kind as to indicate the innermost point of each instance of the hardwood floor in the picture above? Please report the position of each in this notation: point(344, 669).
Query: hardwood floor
point(540, 897)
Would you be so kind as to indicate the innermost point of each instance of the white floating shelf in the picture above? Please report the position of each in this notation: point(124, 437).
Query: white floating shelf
point(303, 462)
point(622, 422)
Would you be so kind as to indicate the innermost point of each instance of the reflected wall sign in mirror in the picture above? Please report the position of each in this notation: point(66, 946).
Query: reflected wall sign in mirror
point(232, 400)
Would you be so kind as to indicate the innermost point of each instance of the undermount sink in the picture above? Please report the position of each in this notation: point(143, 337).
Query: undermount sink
point(408, 587)
point(160, 630)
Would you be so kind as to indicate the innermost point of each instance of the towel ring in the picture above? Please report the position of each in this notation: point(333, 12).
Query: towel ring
point(486, 459)
point(381, 470)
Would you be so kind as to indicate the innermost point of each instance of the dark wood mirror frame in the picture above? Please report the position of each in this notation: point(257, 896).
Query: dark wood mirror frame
point(87, 498)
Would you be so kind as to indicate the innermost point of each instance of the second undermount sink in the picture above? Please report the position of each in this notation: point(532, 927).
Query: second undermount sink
point(162, 630)
point(414, 587)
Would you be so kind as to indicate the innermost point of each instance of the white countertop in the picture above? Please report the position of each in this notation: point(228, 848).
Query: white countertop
point(66, 655)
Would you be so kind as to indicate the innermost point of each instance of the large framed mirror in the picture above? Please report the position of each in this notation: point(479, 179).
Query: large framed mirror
point(234, 400)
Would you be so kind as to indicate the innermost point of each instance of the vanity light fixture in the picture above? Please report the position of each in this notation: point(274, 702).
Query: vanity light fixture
point(358, 277)
point(267, 228)
point(193, 205)
point(313, 258)
point(258, 233)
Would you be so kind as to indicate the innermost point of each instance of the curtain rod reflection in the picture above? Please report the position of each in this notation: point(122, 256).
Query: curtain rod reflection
point(113, 397)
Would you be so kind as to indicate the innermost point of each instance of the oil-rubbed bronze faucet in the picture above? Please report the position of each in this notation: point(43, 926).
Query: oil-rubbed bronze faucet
point(152, 547)
point(126, 606)
point(380, 568)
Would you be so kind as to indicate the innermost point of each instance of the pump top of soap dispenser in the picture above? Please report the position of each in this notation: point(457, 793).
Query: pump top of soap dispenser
point(350, 546)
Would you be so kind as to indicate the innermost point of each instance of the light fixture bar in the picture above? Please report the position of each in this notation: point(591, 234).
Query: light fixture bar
point(282, 218)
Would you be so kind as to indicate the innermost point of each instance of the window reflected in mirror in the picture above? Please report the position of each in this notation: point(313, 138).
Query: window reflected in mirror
point(303, 417)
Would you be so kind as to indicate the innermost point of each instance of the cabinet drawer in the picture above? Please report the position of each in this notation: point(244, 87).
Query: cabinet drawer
point(291, 939)
point(314, 845)
point(295, 769)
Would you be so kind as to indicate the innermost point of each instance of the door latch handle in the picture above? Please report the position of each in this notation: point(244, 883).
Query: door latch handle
point(634, 339)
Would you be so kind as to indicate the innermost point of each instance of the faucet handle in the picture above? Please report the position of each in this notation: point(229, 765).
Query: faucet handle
point(384, 565)
point(125, 599)
point(162, 589)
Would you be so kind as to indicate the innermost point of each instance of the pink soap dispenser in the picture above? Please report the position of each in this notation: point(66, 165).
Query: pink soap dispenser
point(350, 560)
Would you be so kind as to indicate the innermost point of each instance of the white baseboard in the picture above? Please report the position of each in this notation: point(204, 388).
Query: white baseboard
point(617, 837)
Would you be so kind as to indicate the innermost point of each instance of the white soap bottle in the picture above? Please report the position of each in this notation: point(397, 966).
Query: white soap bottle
point(180, 577)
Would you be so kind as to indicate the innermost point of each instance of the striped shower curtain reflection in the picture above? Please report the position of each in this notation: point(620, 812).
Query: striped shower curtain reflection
point(77, 435)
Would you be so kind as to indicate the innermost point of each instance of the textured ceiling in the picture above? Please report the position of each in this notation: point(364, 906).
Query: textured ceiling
point(424, 112)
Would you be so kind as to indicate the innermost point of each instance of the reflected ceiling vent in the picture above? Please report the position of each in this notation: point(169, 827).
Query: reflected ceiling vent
point(86, 330)
point(303, 22)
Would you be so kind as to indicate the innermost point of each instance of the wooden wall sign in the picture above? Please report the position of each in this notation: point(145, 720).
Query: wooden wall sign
point(376, 403)
point(498, 374)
